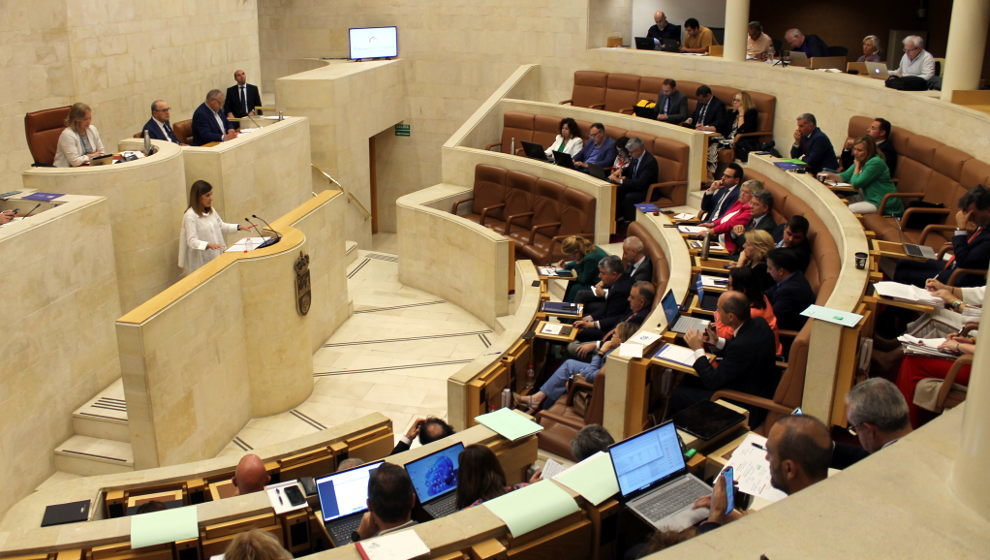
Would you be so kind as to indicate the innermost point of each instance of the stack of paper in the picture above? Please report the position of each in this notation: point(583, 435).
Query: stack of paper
point(907, 292)
point(691, 229)
point(752, 470)
point(684, 216)
point(713, 281)
point(246, 244)
point(923, 346)
point(676, 354)
point(552, 329)
point(404, 545)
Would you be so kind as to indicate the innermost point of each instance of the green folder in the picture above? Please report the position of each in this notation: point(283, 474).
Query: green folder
point(593, 478)
point(509, 424)
point(532, 507)
point(164, 526)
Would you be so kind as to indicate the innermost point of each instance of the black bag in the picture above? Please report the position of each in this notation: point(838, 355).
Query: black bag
point(919, 221)
point(907, 83)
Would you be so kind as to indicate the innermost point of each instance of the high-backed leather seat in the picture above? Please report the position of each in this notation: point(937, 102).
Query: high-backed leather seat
point(622, 92)
point(661, 268)
point(583, 404)
point(42, 129)
point(183, 131)
point(515, 126)
point(589, 89)
point(671, 186)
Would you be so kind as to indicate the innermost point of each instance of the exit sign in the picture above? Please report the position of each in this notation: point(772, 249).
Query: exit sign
point(403, 130)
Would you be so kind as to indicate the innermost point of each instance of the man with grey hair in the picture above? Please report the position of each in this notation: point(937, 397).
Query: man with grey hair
point(916, 60)
point(877, 413)
point(614, 287)
point(635, 179)
point(811, 45)
point(158, 126)
point(209, 124)
point(590, 440)
point(759, 213)
point(812, 146)
point(637, 262)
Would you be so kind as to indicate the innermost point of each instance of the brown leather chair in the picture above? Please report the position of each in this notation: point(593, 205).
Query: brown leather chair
point(661, 268)
point(488, 200)
point(583, 404)
point(183, 131)
point(671, 187)
point(518, 126)
point(622, 92)
point(545, 130)
point(42, 129)
point(588, 90)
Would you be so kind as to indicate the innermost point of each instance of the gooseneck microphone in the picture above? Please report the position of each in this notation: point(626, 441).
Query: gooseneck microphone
point(272, 241)
point(255, 227)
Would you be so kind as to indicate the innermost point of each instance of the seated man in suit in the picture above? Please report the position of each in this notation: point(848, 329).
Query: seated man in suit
point(722, 194)
point(209, 124)
point(427, 429)
point(812, 146)
point(760, 207)
point(158, 126)
point(708, 113)
point(879, 130)
point(748, 361)
point(811, 45)
point(637, 262)
point(599, 150)
point(791, 294)
point(242, 97)
point(640, 300)
point(737, 215)
point(672, 105)
point(635, 179)
point(794, 236)
point(970, 246)
point(614, 286)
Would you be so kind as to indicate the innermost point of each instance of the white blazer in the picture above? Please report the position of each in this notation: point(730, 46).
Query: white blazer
point(70, 149)
point(573, 147)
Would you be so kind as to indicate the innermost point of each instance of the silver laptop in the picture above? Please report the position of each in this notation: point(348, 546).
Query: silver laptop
point(922, 251)
point(677, 322)
point(434, 477)
point(798, 58)
point(877, 70)
point(653, 478)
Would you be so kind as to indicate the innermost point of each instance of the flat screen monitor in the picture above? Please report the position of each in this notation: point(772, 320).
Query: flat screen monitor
point(374, 42)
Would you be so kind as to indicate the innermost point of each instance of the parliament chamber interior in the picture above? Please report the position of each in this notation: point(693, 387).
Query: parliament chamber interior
point(417, 205)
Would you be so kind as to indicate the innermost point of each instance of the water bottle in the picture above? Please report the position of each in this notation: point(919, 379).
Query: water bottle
point(512, 149)
point(506, 398)
point(530, 378)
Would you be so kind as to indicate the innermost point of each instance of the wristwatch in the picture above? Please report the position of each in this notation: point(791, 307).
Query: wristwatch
point(956, 305)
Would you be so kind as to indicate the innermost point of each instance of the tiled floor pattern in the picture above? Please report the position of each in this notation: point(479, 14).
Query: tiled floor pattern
point(393, 356)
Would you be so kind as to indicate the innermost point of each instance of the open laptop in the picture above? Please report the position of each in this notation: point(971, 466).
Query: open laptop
point(434, 477)
point(653, 479)
point(563, 159)
point(644, 43)
point(343, 500)
point(798, 58)
point(877, 70)
point(676, 322)
point(598, 171)
point(670, 45)
point(534, 151)
point(922, 251)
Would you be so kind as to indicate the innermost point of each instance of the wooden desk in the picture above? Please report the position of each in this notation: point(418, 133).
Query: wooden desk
point(567, 334)
point(894, 250)
point(714, 266)
point(674, 365)
point(572, 276)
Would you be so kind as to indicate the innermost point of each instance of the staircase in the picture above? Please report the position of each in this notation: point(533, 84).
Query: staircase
point(102, 440)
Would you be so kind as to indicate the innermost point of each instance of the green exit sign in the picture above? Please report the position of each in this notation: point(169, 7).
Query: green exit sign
point(403, 130)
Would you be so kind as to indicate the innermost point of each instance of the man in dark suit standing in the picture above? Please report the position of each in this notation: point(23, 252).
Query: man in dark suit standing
point(615, 286)
point(209, 124)
point(791, 294)
point(708, 113)
point(671, 106)
point(242, 97)
point(158, 126)
point(748, 359)
point(812, 146)
point(635, 179)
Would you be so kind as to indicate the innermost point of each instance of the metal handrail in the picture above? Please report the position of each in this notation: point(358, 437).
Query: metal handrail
point(350, 197)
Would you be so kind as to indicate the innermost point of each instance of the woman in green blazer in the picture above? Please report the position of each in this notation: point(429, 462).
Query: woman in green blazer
point(584, 261)
point(871, 176)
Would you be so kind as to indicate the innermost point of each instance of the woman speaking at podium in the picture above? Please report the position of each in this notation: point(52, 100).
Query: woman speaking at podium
point(201, 239)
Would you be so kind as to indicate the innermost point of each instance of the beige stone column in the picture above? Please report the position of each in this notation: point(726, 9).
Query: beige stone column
point(969, 480)
point(967, 45)
point(736, 18)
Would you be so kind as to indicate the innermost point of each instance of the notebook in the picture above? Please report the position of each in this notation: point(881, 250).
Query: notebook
point(434, 477)
point(71, 512)
point(343, 500)
point(877, 70)
point(676, 322)
point(653, 479)
point(534, 151)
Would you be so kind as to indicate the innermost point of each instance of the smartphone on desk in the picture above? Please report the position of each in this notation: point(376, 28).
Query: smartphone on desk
point(730, 493)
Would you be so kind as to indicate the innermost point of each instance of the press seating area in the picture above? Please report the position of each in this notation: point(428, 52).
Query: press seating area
point(927, 170)
point(620, 92)
point(537, 214)
point(671, 155)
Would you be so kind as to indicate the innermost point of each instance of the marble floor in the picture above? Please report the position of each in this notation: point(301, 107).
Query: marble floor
point(392, 356)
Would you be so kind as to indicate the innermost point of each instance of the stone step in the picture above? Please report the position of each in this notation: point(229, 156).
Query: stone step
point(104, 416)
point(88, 456)
point(350, 252)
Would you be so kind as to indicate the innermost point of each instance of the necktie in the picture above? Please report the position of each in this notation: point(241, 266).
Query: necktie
point(701, 117)
point(244, 100)
point(952, 260)
point(168, 132)
point(666, 106)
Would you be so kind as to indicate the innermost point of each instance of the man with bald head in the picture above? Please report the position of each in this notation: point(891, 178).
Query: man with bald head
point(159, 126)
point(638, 265)
point(799, 450)
point(748, 360)
point(663, 30)
point(250, 475)
point(811, 45)
point(242, 97)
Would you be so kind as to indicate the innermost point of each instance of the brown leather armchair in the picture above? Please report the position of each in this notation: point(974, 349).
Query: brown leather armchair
point(562, 421)
point(42, 129)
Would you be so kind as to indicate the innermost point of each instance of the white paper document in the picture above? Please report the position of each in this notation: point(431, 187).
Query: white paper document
point(714, 281)
point(630, 350)
point(552, 328)
point(280, 501)
point(830, 315)
point(645, 338)
point(752, 470)
point(906, 292)
point(246, 244)
point(551, 469)
point(691, 229)
point(677, 354)
point(924, 346)
point(403, 545)
point(684, 216)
